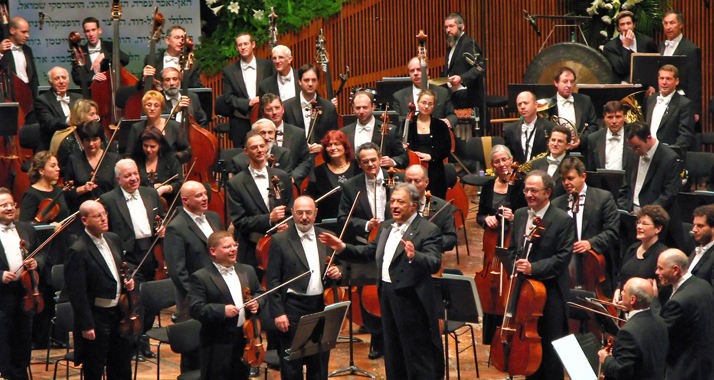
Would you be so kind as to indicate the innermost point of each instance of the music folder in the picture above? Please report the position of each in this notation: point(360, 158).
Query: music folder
point(573, 358)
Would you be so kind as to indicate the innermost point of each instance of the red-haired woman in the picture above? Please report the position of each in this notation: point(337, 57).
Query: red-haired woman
point(339, 166)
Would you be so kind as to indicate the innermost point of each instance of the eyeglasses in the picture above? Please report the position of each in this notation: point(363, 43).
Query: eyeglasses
point(534, 191)
point(100, 215)
point(230, 246)
point(6, 206)
point(301, 213)
point(643, 223)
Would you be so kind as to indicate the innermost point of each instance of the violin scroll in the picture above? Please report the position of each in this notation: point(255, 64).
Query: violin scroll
point(277, 186)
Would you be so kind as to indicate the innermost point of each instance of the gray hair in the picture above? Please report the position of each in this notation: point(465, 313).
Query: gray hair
point(410, 189)
point(122, 162)
point(544, 176)
point(288, 52)
point(368, 146)
point(500, 148)
point(257, 124)
point(49, 73)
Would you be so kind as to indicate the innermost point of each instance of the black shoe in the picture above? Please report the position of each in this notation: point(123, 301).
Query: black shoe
point(148, 354)
point(375, 355)
point(138, 357)
point(254, 371)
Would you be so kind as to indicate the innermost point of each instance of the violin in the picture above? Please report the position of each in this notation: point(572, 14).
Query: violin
point(384, 130)
point(608, 349)
point(427, 205)
point(271, 160)
point(254, 352)
point(314, 113)
point(277, 187)
point(162, 271)
point(130, 324)
point(49, 209)
point(32, 301)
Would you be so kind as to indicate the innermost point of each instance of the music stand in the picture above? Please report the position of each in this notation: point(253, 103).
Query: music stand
point(388, 86)
point(9, 114)
point(205, 97)
point(123, 134)
point(610, 180)
point(467, 309)
point(602, 93)
point(318, 332)
point(644, 68)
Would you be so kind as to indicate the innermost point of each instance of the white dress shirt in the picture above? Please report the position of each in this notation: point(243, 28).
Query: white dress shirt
point(532, 215)
point(309, 245)
point(661, 104)
point(201, 222)
point(671, 46)
point(381, 195)
point(64, 103)
point(234, 287)
point(453, 48)
point(581, 202)
point(614, 146)
point(174, 100)
point(363, 133)
point(396, 232)
point(698, 254)
point(106, 252)
point(527, 137)
point(306, 113)
point(250, 76)
point(11, 244)
point(679, 283)
point(566, 108)
point(94, 51)
point(286, 86)
point(553, 163)
point(631, 314)
point(20, 62)
point(415, 94)
point(262, 182)
point(137, 212)
point(642, 174)
point(279, 137)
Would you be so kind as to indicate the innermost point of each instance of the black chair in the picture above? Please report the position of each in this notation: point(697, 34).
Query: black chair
point(157, 295)
point(57, 281)
point(699, 165)
point(64, 320)
point(29, 138)
point(184, 338)
point(478, 149)
point(456, 329)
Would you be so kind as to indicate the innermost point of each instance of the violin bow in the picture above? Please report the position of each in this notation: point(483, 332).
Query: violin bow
point(171, 179)
point(291, 217)
point(441, 209)
point(153, 244)
point(277, 287)
point(173, 203)
point(573, 304)
point(344, 228)
point(63, 224)
point(104, 153)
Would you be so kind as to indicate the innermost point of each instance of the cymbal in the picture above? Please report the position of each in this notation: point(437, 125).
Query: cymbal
point(545, 104)
point(439, 81)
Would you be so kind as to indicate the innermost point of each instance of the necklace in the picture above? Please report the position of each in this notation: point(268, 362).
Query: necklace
point(338, 168)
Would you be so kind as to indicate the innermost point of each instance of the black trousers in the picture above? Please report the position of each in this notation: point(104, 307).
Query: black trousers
point(223, 360)
point(373, 324)
point(147, 272)
point(295, 307)
point(107, 349)
point(15, 342)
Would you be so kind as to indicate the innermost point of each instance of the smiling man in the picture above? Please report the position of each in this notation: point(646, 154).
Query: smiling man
point(285, 81)
point(577, 108)
point(669, 114)
point(53, 107)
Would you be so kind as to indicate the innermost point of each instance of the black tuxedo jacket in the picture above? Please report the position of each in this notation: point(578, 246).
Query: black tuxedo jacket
point(327, 121)
point(8, 62)
point(120, 218)
point(471, 76)
point(392, 142)
point(677, 124)
point(705, 267)
point(11, 294)
point(639, 350)
point(512, 137)
point(249, 215)
point(363, 212)
point(542, 164)
point(295, 141)
point(240, 162)
point(596, 151)
point(443, 109)
point(234, 89)
point(693, 91)
point(193, 75)
point(585, 117)
point(620, 57)
point(194, 109)
point(50, 115)
point(185, 249)
point(107, 50)
point(269, 85)
point(445, 222)
point(661, 184)
point(687, 315)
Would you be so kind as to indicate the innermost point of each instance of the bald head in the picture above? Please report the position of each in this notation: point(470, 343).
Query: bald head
point(672, 265)
point(19, 31)
point(418, 176)
point(673, 256)
point(94, 218)
point(282, 50)
point(194, 197)
point(59, 80)
point(642, 290)
point(88, 207)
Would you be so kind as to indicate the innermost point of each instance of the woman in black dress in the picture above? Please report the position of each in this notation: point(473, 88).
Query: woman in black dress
point(157, 167)
point(172, 131)
point(430, 139)
point(499, 192)
point(339, 166)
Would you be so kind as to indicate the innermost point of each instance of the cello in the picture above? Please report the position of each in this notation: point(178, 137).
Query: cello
point(490, 280)
point(134, 107)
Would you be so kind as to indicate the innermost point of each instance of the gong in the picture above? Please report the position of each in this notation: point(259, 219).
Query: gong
point(589, 65)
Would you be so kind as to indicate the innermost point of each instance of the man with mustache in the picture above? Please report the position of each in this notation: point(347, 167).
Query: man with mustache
point(171, 81)
point(465, 78)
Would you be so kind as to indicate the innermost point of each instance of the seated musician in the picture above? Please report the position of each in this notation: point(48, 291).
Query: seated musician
point(465, 78)
point(639, 348)
point(339, 167)
point(607, 147)
point(597, 221)
point(16, 55)
point(53, 107)
point(284, 82)
point(289, 137)
point(701, 262)
point(156, 167)
point(217, 300)
point(619, 49)
point(280, 156)
point(528, 137)
point(418, 176)
point(15, 323)
point(171, 83)
point(153, 103)
point(288, 260)
point(98, 54)
point(557, 151)
point(66, 142)
point(669, 114)
point(175, 41)
point(368, 129)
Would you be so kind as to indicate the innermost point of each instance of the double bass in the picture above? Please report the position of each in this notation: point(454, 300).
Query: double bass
point(323, 60)
point(134, 107)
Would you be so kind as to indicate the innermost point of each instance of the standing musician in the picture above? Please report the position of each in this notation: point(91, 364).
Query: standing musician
point(597, 221)
point(240, 86)
point(288, 136)
point(255, 202)
point(298, 110)
point(443, 109)
point(368, 129)
point(576, 108)
point(418, 176)
point(16, 56)
point(293, 252)
point(701, 261)
point(53, 107)
point(281, 156)
point(99, 53)
point(175, 40)
point(156, 166)
point(547, 263)
point(93, 285)
point(217, 300)
point(132, 212)
point(638, 351)
point(284, 82)
point(669, 114)
point(558, 151)
point(465, 78)
point(407, 252)
point(15, 324)
point(619, 49)
point(171, 83)
point(607, 147)
point(527, 137)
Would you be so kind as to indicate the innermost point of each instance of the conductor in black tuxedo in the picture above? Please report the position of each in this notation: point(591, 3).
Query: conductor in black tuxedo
point(293, 252)
point(548, 263)
point(281, 158)
point(171, 81)
point(608, 147)
point(407, 251)
point(701, 261)
point(53, 107)
point(93, 285)
point(368, 129)
point(528, 137)
point(98, 54)
point(16, 56)
point(687, 315)
point(256, 203)
point(298, 109)
point(619, 49)
point(240, 86)
point(460, 71)
point(217, 300)
point(577, 108)
point(284, 83)
point(558, 143)
point(175, 41)
point(669, 114)
point(639, 350)
point(15, 323)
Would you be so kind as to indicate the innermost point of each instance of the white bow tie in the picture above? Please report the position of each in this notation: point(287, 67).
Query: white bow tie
point(397, 228)
point(246, 66)
point(552, 161)
point(200, 219)
point(661, 99)
point(645, 158)
point(226, 271)
point(527, 128)
point(364, 128)
point(531, 213)
point(134, 196)
point(699, 250)
point(63, 99)
point(176, 98)
point(8, 228)
point(96, 49)
point(259, 173)
point(284, 79)
point(668, 43)
point(371, 182)
point(615, 137)
point(170, 59)
point(309, 236)
point(567, 101)
point(16, 48)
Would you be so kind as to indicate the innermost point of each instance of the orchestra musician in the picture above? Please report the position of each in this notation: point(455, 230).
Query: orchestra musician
point(407, 251)
point(284, 82)
point(701, 261)
point(558, 151)
point(156, 166)
point(53, 107)
point(607, 147)
point(265, 128)
point(99, 53)
point(240, 86)
point(669, 114)
point(418, 176)
point(368, 129)
point(289, 137)
point(293, 252)
point(577, 108)
point(638, 351)
point(171, 83)
point(175, 40)
point(216, 299)
point(619, 49)
point(498, 195)
point(66, 142)
point(690, 330)
point(15, 324)
point(94, 285)
point(16, 56)
point(527, 137)
point(338, 168)
point(462, 74)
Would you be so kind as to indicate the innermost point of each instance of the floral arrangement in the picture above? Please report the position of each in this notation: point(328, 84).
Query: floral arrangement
point(251, 16)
